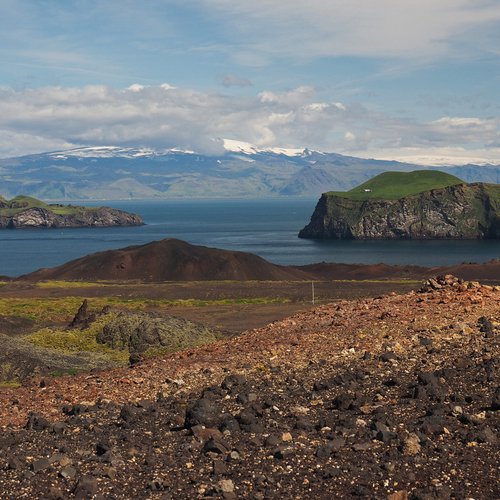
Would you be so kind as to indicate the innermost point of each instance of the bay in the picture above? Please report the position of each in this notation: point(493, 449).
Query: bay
point(265, 227)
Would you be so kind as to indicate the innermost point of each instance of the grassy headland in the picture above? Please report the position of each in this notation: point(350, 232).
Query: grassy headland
point(9, 208)
point(395, 185)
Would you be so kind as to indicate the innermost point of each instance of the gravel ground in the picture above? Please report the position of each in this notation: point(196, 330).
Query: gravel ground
point(390, 397)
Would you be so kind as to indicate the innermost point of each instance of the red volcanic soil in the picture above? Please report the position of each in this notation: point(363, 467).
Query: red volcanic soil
point(176, 260)
point(328, 271)
point(395, 397)
point(488, 271)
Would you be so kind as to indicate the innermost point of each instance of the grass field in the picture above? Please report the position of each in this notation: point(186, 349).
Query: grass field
point(34, 319)
point(62, 309)
point(9, 208)
point(494, 192)
point(394, 185)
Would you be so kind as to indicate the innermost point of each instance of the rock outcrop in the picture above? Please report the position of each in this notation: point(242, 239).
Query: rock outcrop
point(144, 332)
point(40, 217)
point(463, 211)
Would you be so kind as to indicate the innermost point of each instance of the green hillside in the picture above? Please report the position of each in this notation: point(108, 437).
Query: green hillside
point(394, 185)
point(494, 192)
point(9, 208)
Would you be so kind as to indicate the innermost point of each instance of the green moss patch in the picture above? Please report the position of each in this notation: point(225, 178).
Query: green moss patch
point(76, 340)
point(153, 334)
point(7, 384)
point(62, 309)
point(114, 335)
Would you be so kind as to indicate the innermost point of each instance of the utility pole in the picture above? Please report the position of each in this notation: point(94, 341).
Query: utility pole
point(312, 290)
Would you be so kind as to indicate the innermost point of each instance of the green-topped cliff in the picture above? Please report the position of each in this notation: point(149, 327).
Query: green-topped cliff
point(413, 205)
point(395, 185)
point(27, 212)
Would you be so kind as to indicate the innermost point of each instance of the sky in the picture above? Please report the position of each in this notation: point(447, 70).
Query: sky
point(414, 80)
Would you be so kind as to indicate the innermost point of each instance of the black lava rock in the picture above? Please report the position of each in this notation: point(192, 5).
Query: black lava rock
point(202, 412)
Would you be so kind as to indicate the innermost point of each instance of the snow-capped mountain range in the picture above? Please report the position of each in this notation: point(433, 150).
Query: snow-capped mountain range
point(239, 170)
point(229, 145)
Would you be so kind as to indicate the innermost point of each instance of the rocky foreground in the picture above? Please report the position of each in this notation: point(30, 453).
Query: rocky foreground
point(394, 397)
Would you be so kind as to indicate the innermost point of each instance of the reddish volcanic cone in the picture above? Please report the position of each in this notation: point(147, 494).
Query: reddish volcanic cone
point(168, 260)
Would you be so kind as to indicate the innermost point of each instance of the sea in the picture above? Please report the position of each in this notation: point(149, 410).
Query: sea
point(266, 227)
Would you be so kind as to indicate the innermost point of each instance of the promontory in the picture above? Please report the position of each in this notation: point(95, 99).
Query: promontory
point(423, 204)
point(27, 212)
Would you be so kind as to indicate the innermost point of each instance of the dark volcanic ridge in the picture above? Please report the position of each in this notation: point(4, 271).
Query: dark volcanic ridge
point(168, 260)
point(175, 260)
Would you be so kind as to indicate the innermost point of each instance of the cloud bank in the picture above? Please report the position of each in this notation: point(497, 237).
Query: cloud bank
point(119, 39)
point(163, 116)
point(375, 28)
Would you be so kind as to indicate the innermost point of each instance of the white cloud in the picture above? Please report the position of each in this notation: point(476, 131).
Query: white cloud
point(35, 120)
point(465, 130)
point(136, 87)
point(459, 122)
point(14, 143)
point(380, 28)
point(436, 155)
point(318, 106)
point(291, 97)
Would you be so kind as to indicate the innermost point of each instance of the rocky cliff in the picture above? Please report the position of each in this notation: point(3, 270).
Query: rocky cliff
point(40, 217)
point(463, 211)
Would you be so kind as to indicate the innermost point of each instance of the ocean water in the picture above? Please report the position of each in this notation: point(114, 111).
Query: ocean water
point(265, 227)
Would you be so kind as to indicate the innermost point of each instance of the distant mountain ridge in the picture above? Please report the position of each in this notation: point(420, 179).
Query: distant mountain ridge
point(241, 170)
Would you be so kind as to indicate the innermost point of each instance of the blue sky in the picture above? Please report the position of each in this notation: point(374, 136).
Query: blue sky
point(413, 79)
